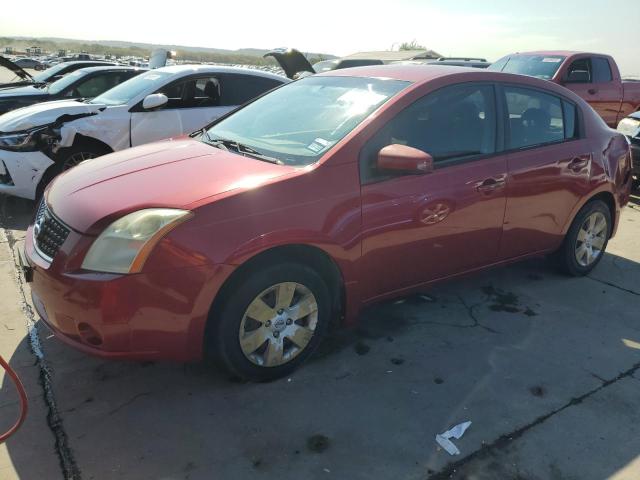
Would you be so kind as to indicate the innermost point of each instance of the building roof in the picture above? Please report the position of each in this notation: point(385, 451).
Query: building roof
point(392, 56)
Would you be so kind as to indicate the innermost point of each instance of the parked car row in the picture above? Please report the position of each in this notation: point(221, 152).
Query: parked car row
point(40, 141)
point(246, 239)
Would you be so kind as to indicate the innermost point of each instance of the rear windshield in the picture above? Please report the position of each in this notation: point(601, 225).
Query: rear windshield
point(540, 66)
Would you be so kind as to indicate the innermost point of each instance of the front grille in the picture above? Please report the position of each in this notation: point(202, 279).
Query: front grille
point(49, 233)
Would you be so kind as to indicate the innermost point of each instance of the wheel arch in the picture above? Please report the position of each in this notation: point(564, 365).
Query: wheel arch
point(304, 254)
point(604, 195)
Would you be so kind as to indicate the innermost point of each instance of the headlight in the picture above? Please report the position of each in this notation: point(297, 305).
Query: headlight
point(125, 245)
point(629, 126)
point(23, 142)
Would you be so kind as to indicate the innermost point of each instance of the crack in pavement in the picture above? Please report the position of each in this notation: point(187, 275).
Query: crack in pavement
point(604, 282)
point(507, 438)
point(68, 465)
point(128, 402)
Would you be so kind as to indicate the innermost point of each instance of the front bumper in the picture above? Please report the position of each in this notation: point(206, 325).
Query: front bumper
point(21, 172)
point(147, 316)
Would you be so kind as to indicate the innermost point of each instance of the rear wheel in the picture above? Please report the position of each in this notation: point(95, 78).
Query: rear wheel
point(586, 240)
point(272, 322)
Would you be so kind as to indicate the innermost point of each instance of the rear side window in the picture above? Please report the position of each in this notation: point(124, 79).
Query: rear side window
point(454, 123)
point(537, 118)
point(601, 70)
point(570, 120)
point(239, 89)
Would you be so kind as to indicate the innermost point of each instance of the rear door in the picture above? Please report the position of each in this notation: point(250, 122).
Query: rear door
point(549, 165)
point(418, 228)
point(592, 78)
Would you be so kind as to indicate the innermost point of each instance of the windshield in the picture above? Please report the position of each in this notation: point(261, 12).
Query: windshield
point(127, 91)
point(298, 123)
point(45, 75)
point(59, 85)
point(541, 66)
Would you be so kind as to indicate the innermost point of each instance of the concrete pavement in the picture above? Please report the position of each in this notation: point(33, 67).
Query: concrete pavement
point(546, 367)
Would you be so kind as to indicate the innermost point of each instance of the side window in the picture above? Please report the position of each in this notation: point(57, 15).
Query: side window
point(206, 92)
point(601, 70)
point(457, 122)
point(192, 93)
point(175, 92)
point(579, 71)
point(97, 84)
point(535, 118)
point(239, 89)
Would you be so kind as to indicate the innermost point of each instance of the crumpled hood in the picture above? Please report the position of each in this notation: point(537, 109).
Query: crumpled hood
point(44, 114)
point(171, 174)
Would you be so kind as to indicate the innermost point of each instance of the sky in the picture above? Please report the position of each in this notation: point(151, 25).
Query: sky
point(487, 29)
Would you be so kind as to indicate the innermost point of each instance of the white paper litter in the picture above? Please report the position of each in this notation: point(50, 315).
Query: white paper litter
point(455, 432)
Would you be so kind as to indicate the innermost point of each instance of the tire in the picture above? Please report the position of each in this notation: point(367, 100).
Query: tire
point(67, 158)
point(276, 341)
point(586, 241)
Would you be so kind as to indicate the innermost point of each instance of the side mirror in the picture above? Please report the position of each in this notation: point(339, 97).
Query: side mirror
point(401, 158)
point(154, 100)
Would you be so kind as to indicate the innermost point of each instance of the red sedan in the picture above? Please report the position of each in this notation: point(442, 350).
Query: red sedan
point(245, 240)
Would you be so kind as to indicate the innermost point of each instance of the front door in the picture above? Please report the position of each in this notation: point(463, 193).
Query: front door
point(418, 228)
point(549, 168)
point(193, 103)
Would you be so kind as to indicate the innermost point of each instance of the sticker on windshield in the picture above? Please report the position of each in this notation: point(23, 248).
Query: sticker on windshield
point(318, 145)
point(551, 60)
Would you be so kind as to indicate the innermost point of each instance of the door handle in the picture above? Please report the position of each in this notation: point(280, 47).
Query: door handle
point(592, 91)
point(490, 184)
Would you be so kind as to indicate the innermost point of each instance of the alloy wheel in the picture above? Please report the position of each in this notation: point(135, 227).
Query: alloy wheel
point(77, 158)
point(591, 239)
point(278, 324)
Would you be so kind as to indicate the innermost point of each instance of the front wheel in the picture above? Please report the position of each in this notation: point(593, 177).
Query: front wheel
point(271, 322)
point(586, 240)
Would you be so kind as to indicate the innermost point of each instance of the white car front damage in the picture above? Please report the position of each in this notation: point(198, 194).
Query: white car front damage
point(30, 138)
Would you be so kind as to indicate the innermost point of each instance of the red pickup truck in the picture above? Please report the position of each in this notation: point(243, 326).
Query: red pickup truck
point(593, 76)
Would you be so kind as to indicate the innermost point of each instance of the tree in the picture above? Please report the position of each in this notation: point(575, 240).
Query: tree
point(412, 45)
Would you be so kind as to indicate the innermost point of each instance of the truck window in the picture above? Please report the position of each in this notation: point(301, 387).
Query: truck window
point(601, 70)
point(579, 71)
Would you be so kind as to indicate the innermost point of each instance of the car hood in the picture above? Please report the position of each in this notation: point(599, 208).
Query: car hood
point(26, 91)
point(171, 174)
point(291, 61)
point(44, 114)
point(6, 63)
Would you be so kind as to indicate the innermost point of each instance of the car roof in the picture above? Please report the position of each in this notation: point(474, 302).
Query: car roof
point(420, 74)
point(108, 68)
point(195, 68)
point(79, 62)
point(557, 53)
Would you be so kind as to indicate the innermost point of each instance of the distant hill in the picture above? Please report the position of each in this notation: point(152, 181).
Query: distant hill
point(122, 48)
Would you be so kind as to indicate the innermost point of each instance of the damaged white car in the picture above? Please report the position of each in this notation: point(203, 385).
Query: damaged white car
point(40, 141)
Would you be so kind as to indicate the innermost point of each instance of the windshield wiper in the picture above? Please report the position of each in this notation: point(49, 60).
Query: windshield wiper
point(240, 148)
